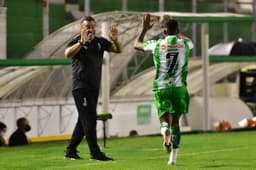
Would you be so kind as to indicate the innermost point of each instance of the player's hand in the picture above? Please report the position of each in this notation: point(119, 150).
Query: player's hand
point(181, 35)
point(146, 23)
point(113, 33)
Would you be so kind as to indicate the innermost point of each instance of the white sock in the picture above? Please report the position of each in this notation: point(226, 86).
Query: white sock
point(173, 156)
point(164, 127)
point(163, 130)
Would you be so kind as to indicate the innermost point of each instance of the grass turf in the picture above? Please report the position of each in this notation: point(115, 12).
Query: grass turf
point(227, 150)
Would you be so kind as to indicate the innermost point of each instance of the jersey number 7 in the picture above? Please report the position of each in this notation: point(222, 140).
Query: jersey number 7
point(173, 57)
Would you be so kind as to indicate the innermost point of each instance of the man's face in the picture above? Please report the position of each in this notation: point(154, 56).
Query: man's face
point(89, 28)
point(25, 126)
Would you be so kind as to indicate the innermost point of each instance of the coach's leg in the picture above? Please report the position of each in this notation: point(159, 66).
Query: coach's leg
point(91, 133)
point(78, 133)
point(89, 122)
point(77, 137)
point(88, 118)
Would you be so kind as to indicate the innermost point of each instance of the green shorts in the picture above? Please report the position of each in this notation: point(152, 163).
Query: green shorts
point(174, 100)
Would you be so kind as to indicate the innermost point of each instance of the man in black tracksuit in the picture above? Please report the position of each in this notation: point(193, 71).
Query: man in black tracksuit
point(19, 137)
point(86, 51)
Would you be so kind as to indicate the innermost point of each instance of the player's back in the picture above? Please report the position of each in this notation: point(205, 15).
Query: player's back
point(171, 62)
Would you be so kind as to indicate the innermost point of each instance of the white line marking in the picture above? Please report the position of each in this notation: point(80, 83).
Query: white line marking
point(81, 165)
point(95, 163)
point(205, 152)
point(216, 151)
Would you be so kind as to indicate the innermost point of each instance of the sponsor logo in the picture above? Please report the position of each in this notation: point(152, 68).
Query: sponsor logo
point(163, 47)
point(175, 46)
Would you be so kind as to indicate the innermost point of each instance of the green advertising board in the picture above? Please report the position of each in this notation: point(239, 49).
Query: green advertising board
point(144, 114)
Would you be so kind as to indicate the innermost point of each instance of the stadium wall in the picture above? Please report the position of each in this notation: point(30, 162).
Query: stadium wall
point(55, 120)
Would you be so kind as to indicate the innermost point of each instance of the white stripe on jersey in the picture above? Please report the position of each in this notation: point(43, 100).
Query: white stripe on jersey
point(164, 54)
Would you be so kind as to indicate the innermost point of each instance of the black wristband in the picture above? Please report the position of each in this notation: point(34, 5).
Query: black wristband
point(80, 42)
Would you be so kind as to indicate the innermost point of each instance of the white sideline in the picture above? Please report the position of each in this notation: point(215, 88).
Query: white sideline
point(92, 163)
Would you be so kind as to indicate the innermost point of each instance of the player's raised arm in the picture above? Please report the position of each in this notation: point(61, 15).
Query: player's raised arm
point(146, 25)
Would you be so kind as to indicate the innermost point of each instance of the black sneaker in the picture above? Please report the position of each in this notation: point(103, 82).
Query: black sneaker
point(72, 155)
point(100, 157)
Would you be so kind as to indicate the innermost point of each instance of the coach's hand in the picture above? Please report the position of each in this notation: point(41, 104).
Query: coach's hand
point(87, 32)
point(113, 33)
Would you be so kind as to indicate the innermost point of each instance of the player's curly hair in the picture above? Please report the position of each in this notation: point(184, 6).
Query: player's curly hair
point(172, 26)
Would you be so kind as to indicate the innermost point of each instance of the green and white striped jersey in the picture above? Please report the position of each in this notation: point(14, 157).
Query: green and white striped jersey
point(170, 56)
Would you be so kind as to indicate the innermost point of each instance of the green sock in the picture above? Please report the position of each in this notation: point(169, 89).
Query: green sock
point(175, 138)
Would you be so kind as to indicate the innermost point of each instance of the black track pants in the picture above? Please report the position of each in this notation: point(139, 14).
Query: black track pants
point(86, 104)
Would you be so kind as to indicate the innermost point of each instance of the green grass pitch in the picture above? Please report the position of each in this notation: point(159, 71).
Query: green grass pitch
point(227, 150)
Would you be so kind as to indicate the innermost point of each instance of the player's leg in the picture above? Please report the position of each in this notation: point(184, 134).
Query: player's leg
point(164, 107)
point(180, 106)
point(165, 131)
point(175, 139)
